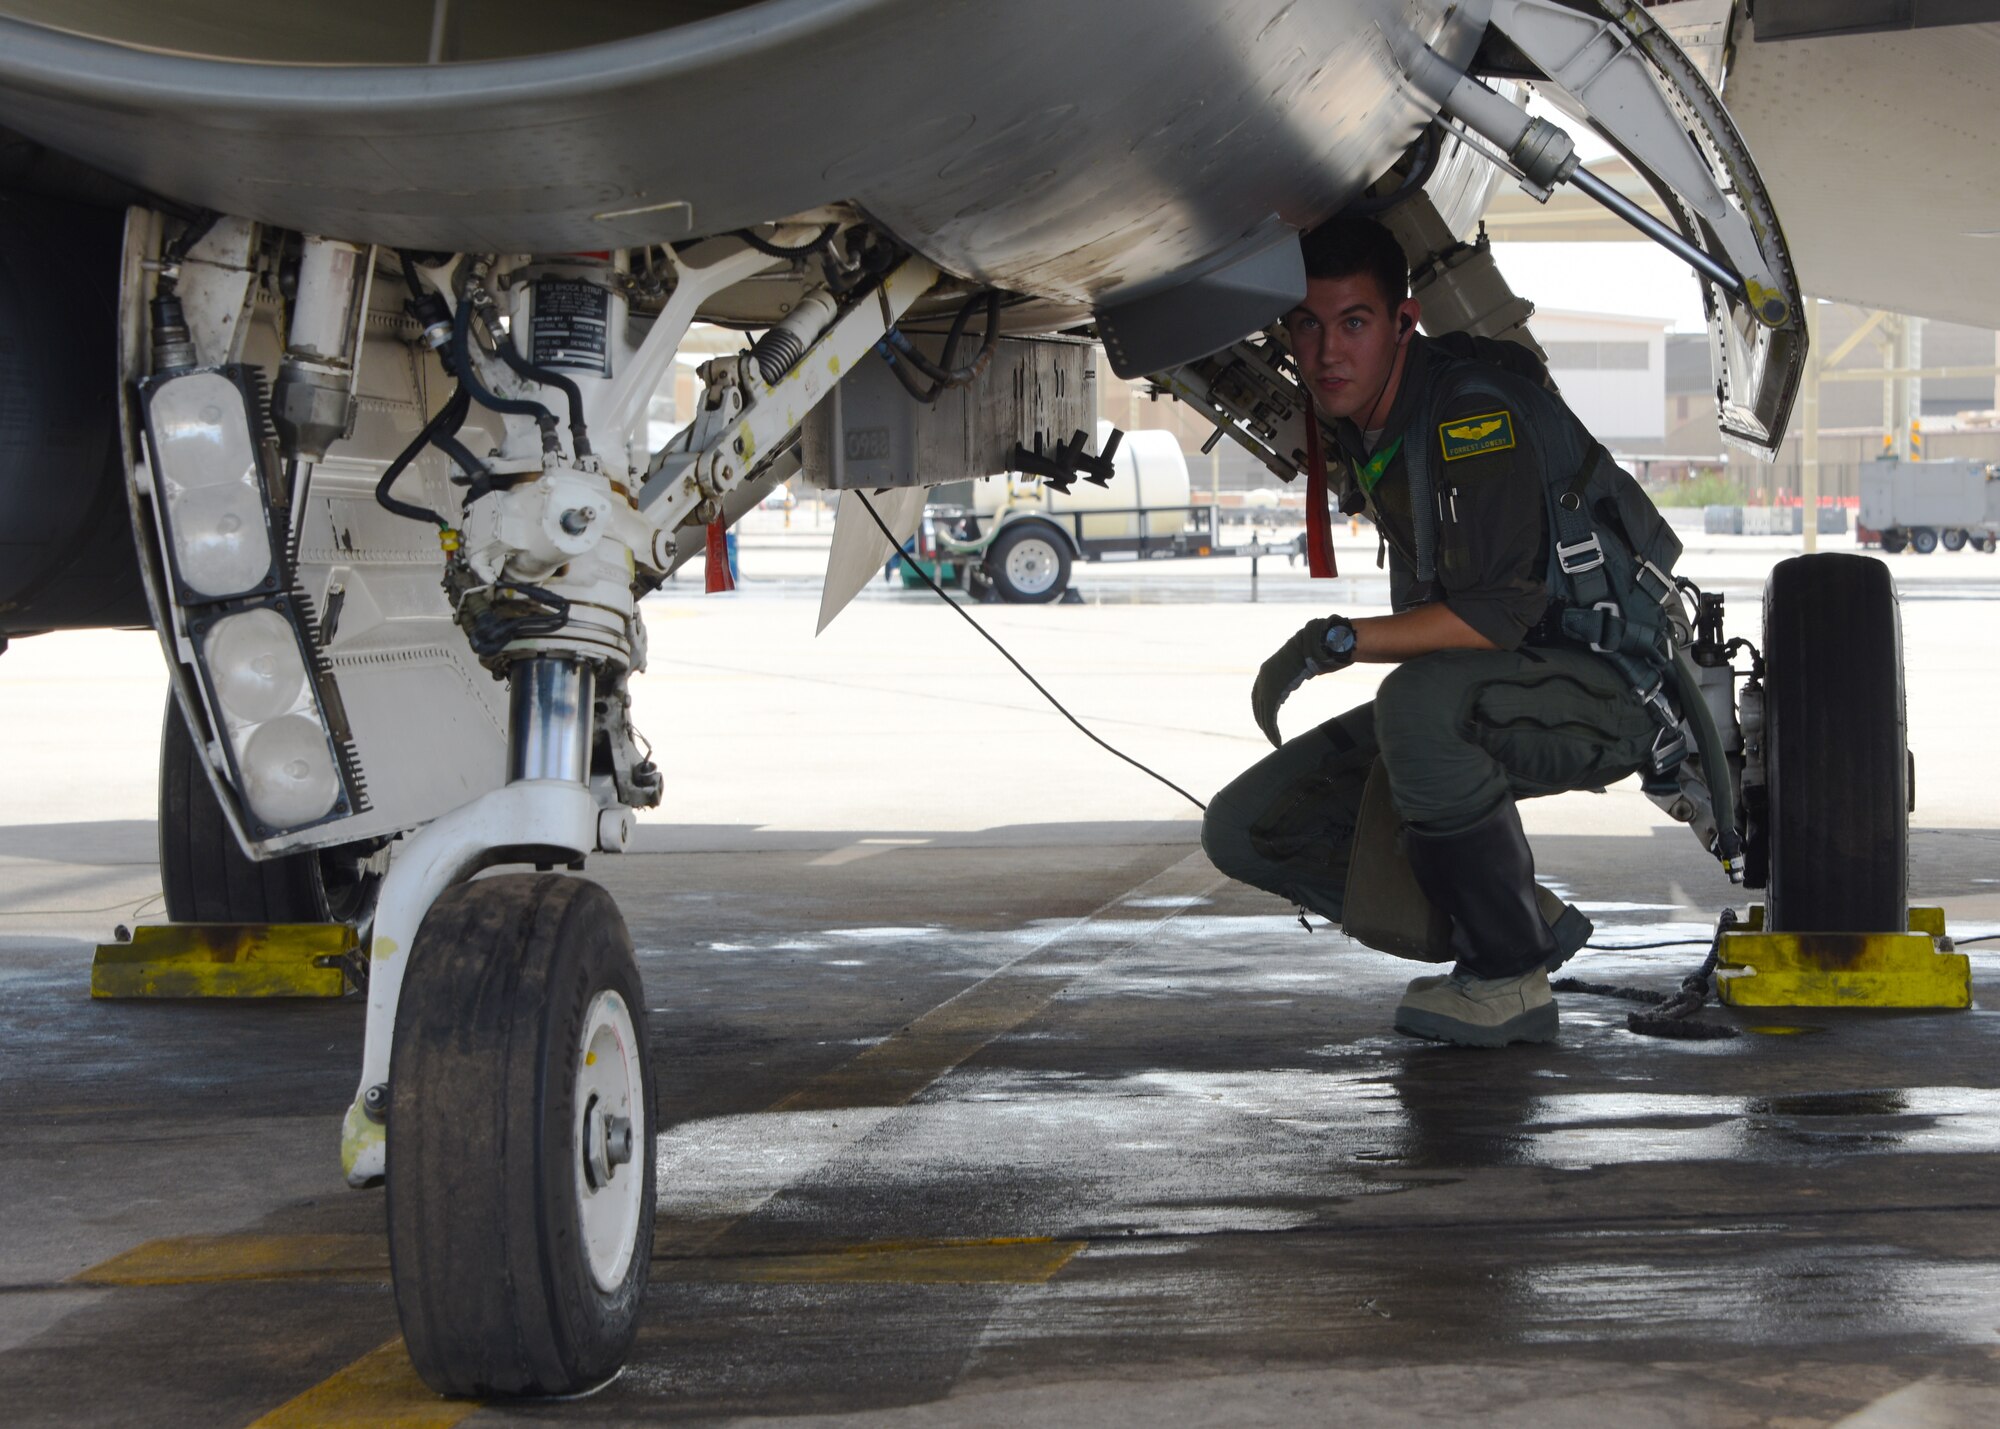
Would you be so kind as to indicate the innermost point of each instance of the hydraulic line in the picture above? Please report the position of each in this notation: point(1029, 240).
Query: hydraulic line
point(943, 372)
point(1420, 173)
point(900, 352)
point(578, 434)
point(446, 419)
point(779, 250)
point(461, 351)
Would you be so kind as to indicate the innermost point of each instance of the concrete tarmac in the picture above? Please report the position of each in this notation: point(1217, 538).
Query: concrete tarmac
point(988, 1102)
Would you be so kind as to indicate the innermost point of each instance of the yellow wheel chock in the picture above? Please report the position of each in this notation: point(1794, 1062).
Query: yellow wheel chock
point(1913, 969)
point(225, 960)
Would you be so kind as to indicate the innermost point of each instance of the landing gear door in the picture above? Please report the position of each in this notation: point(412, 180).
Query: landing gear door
point(1610, 65)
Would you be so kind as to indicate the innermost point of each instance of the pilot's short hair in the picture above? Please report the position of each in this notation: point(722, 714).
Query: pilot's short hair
point(1347, 244)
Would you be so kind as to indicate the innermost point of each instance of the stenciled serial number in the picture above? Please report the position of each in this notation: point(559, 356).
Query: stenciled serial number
point(868, 444)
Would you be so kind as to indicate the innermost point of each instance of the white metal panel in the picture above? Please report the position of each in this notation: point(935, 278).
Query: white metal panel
point(1880, 152)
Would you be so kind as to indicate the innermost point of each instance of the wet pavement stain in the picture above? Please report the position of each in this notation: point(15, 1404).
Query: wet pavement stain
point(1183, 1151)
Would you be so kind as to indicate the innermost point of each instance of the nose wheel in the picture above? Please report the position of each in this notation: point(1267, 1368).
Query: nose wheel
point(1837, 750)
point(520, 1140)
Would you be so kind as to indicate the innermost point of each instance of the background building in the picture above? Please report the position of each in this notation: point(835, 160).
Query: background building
point(1612, 371)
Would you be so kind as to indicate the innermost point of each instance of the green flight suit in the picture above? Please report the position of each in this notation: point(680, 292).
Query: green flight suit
point(1457, 731)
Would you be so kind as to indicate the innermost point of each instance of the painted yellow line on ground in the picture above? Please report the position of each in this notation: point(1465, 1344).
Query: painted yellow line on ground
point(206, 1259)
point(209, 1260)
point(378, 1391)
point(1023, 1260)
point(897, 1069)
point(382, 1388)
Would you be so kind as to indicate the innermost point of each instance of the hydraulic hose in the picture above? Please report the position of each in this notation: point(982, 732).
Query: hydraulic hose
point(1419, 175)
point(461, 351)
point(779, 250)
point(943, 374)
point(579, 435)
point(1714, 763)
point(446, 419)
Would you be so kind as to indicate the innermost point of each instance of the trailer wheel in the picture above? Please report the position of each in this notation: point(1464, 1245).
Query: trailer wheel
point(1954, 539)
point(1029, 563)
point(1985, 544)
point(1895, 540)
point(1836, 748)
point(1923, 540)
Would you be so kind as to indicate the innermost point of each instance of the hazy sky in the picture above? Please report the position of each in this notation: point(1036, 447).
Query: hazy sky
point(1637, 279)
point(1633, 279)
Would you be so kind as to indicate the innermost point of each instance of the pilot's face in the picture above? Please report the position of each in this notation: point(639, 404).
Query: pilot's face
point(1345, 336)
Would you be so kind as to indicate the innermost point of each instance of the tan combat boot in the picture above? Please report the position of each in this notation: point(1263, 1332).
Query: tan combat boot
point(1480, 1012)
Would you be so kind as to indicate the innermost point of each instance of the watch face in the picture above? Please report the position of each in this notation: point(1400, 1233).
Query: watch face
point(1340, 638)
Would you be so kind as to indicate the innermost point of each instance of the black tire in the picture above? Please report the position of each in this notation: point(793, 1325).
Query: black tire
point(1836, 747)
point(1954, 539)
point(1985, 545)
point(1923, 540)
point(70, 563)
point(487, 1200)
point(1029, 563)
point(207, 878)
point(1895, 541)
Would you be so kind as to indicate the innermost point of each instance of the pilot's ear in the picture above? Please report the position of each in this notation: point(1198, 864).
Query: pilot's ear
point(1409, 313)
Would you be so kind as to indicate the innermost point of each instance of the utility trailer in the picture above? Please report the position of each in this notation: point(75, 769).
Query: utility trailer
point(1026, 556)
point(1921, 505)
point(1019, 538)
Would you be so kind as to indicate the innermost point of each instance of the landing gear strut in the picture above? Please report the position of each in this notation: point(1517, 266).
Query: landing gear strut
point(518, 1146)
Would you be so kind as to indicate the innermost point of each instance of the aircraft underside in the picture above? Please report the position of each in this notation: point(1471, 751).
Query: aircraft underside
point(386, 338)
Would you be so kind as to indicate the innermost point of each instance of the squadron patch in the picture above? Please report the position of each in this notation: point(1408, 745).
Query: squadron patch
point(1469, 436)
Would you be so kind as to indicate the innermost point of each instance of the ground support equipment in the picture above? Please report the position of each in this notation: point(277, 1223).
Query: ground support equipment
point(186, 960)
point(1914, 969)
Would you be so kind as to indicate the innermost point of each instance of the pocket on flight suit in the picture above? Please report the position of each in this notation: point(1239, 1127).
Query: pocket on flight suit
point(1567, 724)
point(1384, 907)
point(1311, 816)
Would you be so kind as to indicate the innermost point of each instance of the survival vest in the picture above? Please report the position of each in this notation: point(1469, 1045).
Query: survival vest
point(1611, 552)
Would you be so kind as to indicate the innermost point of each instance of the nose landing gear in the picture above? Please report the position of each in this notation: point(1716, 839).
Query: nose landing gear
point(521, 1125)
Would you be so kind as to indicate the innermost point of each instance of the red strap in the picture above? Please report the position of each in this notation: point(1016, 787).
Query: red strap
point(719, 577)
point(1319, 522)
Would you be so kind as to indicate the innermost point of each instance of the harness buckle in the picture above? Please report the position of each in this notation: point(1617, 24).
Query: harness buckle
point(1669, 748)
point(1647, 568)
point(1584, 555)
point(1613, 611)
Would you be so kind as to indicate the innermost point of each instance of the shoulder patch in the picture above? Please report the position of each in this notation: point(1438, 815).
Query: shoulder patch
point(1470, 436)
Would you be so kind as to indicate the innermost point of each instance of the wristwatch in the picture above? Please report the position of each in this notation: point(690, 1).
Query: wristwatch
point(1339, 640)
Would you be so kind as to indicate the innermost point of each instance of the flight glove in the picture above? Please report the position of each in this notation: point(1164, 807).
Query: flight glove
point(1321, 646)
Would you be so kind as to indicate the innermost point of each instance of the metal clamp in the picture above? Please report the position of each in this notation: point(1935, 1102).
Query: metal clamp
point(1670, 746)
point(1647, 568)
point(1587, 555)
point(1613, 611)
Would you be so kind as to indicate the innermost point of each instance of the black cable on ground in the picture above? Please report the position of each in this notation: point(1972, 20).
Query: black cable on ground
point(1982, 938)
point(896, 549)
point(1643, 947)
point(1674, 1014)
